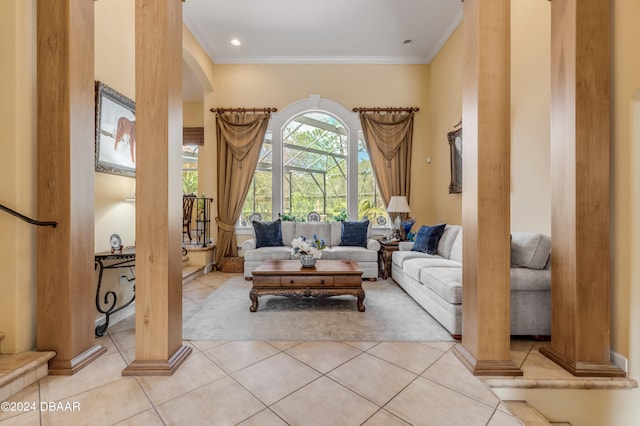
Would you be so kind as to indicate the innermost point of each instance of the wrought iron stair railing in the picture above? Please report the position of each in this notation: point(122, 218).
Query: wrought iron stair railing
point(27, 219)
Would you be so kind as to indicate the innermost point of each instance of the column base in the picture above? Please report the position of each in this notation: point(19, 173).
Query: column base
point(158, 368)
point(65, 367)
point(485, 368)
point(582, 368)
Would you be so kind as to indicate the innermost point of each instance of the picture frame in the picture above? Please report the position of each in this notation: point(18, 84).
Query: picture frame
point(455, 150)
point(115, 132)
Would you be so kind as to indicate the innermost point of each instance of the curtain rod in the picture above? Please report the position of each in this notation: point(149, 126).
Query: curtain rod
point(253, 110)
point(387, 109)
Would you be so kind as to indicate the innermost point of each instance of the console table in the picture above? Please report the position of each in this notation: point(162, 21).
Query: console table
point(122, 260)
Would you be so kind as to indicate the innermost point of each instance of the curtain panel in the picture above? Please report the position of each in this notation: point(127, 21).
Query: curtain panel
point(239, 140)
point(389, 138)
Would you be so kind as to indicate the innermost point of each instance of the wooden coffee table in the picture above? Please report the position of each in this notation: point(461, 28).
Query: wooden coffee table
point(288, 278)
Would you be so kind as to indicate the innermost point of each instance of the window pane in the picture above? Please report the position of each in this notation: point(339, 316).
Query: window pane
point(370, 205)
point(258, 204)
point(190, 169)
point(315, 167)
point(313, 173)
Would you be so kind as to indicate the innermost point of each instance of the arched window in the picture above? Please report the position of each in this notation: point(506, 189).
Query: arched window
point(314, 175)
point(314, 165)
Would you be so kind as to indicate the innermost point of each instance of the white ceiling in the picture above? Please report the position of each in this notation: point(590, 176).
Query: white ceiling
point(325, 31)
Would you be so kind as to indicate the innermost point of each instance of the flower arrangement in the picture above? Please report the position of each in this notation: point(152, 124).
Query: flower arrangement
point(303, 246)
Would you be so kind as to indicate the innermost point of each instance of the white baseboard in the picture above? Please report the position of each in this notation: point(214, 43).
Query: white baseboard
point(619, 361)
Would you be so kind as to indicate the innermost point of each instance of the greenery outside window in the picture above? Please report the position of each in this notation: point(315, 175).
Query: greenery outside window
point(314, 166)
point(370, 205)
point(259, 202)
point(190, 169)
point(314, 163)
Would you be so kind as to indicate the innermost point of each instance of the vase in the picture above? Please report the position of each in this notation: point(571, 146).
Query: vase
point(407, 225)
point(307, 260)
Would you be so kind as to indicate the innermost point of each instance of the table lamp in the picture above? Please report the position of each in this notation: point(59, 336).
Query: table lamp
point(398, 204)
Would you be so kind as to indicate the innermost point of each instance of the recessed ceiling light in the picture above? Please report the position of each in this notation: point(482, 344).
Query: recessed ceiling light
point(236, 42)
point(407, 41)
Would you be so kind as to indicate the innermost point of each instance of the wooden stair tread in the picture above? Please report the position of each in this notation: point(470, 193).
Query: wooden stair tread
point(13, 365)
point(527, 414)
point(190, 272)
point(17, 371)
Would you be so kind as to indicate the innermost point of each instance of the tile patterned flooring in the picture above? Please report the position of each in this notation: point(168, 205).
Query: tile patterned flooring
point(278, 383)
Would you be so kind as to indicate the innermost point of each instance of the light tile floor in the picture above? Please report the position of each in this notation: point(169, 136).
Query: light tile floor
point(277, 383)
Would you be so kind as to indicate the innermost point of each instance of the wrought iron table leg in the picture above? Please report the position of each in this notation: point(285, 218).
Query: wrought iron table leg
point(102, 328)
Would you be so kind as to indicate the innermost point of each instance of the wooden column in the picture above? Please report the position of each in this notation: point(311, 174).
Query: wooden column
point(580, 182)
point(159, 349)
point(65, 148)
point(485, 348)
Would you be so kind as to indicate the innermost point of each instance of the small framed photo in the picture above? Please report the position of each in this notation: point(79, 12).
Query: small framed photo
point(115, 132)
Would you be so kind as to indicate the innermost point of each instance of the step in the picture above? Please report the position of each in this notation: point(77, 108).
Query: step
point(528, 415)
point(191, 272)
point(17, 371)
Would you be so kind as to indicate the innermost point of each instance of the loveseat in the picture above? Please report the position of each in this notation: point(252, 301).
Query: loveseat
point(366, 255)
point(435, 280)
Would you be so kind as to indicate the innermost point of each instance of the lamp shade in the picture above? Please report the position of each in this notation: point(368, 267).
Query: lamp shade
point(398, 204)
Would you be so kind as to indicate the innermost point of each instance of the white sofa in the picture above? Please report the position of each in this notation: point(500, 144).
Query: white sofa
point(435, 281)
point(367, 258)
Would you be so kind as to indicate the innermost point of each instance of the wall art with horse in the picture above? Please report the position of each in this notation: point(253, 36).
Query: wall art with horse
point(115, 132)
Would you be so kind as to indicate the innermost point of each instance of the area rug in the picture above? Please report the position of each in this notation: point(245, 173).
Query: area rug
point(391, 315)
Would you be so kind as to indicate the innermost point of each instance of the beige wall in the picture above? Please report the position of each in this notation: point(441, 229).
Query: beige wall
point(530, 116)
point(17, 174)
point(197, 60)
point(193, 114)
point(445, 111)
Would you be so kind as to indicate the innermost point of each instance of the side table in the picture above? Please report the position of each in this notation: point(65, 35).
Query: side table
point(384, 257)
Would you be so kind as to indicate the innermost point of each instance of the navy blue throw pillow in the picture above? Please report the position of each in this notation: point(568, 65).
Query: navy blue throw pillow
point(354, 233)
point(428, 238)
point(268, 234)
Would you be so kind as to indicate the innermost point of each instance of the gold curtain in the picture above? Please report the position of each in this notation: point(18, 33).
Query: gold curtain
point(389, 138)
point(239, 137)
